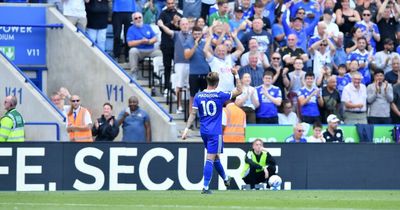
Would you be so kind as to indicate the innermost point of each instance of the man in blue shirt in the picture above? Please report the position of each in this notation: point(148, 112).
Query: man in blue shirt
point(297, 136)
point(141, 39)
point(363, 57)
point(270, 97)
point(210, 103)
point(135, 122)
point(309, 98)
point(310, 7)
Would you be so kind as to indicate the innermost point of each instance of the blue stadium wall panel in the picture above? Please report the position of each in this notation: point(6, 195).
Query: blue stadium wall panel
point(174, 166)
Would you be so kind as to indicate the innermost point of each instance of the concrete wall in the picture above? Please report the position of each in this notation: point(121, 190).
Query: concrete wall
point(31, 104)
point(73, 63)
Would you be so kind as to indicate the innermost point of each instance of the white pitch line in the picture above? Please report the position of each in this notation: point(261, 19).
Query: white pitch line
point(156, 206)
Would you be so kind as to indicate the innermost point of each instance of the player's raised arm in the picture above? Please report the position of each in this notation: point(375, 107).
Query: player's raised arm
point(192, 117)
point(238, 90)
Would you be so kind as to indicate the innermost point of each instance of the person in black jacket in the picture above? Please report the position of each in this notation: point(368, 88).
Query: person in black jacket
point(106, 128)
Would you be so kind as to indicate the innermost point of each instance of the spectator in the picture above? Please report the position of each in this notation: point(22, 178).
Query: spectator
point(340, 56)
point(383, 59)
point(259, 165)
point(309, 99)
point(97, 20)
point(198, 67)
point(322, 80)
point(181, 64)
point(331, 99)
point(290, 52)
point(387, 22)
point(220, 33)
point(191, 9)
point(248, 100)
point(354, 97)
point(256, 72)
point(237, 22)
point(392, 76)
point(369, 5)
point(351, 43)
point(332, 30)
point(168, 16)
point(205, 7)
point(363, 57)
point(150, 12)
point(311, 10)
point(262, 59)
point(74, 11)
point(121, 17)
point(12, 123)
point(280, 78)
point(333, 133)
point(258, 8)
point(395, 105)
point(222, 62)
point(263, 37)
point(341, 80)
point(135, 123)
point(297, 136)
point(288, 117)
point(278, 33)
point(317, 136)
point(233, 122)
point(369, 29)
point(248, 10)
point(106, 128)
point(379, 97)
point(141, 39)
point(296, 78)
point(270, 98)
point(59, 103)
point(222, 13)
point(346, 17)
point(79, 122)
point(323, 52)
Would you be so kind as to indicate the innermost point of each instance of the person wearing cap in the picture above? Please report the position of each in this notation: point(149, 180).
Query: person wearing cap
point(332, 29)
point(332, 132)
point(237, 22)
point(383, 59)
point(379, 97)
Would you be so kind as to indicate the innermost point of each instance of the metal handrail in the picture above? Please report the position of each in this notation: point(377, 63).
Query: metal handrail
point(27, 80)
point(55, 25)
point(132, 81)
point(47, 123)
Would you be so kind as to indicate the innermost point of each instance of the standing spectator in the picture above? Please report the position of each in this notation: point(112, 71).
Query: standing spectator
point(97, 20)
point(296, 78)
point(222, 13)
point(205, 7)
point(387, 23)
point(106, 128)
point(237, 22)
point(233, 122)
point(258, 13)
point(198, 67)
point(290, 52)
point(311, 9)
point(323, 52)
point(379, 97)
point(288, 117)
point(256, 72)
point(209, 104)
point(191, 9)
point(333, 133)
point(331, 99)
point(121, 17)
point(150, 12)
point(248, 100)
point(351, 44)
point(141, 38)
point(297, 136)
point(383, 59)
point(278, 33)
point(363, 57)
point(74, 11)
point(270, 98)
point(395, 105)
point(58, 99)
point(12, 123)
point(346, 17)
point(262, 59)
point(248, 9)
point(340, 55)
point(181, 65)
point(167, 44)
point(354, 97)
point(135, 122)
point(341, 79)
point(280, 78)
point(220, 61)
point(369, 29)
point(263, 38)
point(317, 136)
point(309, 98)
point(368, 5)
point(392, 76)
point(79, 122)
point(332, 30)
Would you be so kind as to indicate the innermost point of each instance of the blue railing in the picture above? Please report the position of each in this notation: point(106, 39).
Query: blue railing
point(27, 80)
point(132, 81)
point(55, 25)
point(47, 123)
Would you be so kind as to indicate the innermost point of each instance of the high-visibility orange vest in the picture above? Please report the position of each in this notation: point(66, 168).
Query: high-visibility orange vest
point(235, 122)
point(79, 136)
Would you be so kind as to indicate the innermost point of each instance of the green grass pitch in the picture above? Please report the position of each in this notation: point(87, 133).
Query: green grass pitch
point(252, 200)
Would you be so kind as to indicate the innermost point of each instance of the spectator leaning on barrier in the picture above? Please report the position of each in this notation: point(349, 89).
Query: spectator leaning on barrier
point(333, 133)
point(106, 127)
point(135, 122)
point(317, 136)
point(12, 123)
point(234, 122)
point(79, 122)
point(259, 165)
point(379, 97)
point(297, 136)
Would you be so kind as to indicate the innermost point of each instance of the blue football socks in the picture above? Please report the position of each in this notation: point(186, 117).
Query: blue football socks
point(207, 173)
point(220, 169)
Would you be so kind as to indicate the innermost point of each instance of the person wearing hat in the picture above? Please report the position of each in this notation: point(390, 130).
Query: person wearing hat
point(237, 22)
point(332, 29)
point(333, 133)
point(383, 59)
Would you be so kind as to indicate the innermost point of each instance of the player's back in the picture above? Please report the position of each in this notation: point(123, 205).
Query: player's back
point(209, 104)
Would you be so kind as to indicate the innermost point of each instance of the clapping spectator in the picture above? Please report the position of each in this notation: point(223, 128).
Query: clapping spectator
point(380, 96)
point(309, 99)
point(106, 128)
point(248, 100)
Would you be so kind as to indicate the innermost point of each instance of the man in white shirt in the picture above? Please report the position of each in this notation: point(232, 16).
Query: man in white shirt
point(354, 97)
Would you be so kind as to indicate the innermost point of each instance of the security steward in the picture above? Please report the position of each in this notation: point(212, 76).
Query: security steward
point(12, 123)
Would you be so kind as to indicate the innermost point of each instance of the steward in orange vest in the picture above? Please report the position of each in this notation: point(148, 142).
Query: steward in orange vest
point(79, 125)
point(235, 123)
